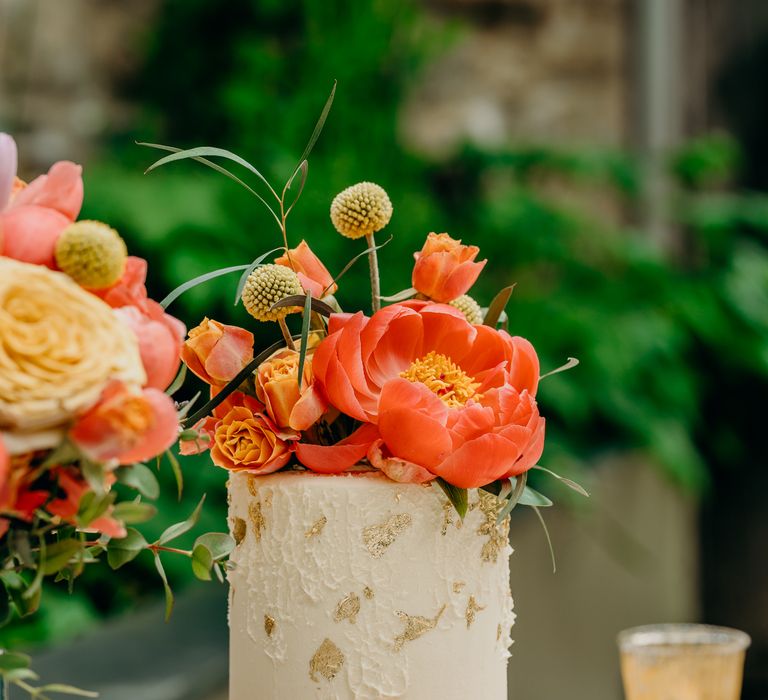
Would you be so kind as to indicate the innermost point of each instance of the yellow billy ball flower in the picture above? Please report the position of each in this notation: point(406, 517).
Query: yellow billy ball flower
point(91, 253)
point(361, 210)
point(267, 285)
point(469, 307)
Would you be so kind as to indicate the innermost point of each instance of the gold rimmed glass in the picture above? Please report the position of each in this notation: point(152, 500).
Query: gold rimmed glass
point(682, 662)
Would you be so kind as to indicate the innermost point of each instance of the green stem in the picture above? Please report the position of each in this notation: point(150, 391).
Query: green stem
point(373, 263)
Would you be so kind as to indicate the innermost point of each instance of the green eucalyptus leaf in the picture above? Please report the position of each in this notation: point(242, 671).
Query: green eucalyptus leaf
point(176, 293)
point(202, 561)
point(10, 579)
point(177, 473)
point(496, 307)
point(168, 592)
point(11, 660)
point(26, 605)
point(531, 497)
point(6, 611)
point(140, 477)
point(60, 554)
point(121, 551)
point(219, 544)
point(132, 512)
point(92, 506)
point(401, 296)
point(94, 473)
point(458, 497)
point(300, 300)
point(248, 270)
point(179, 529)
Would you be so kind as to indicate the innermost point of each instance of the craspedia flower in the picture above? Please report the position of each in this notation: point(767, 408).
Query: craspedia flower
point(91, 253)
point(361, 210)
point(469, 307)
point(267, 285)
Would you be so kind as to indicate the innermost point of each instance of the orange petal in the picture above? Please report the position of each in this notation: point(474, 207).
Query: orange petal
point(29, 233)
point(60, 190)
point(308, 409)
point(333, 459)
point(162, 434)
point(478, 462)
point(397, 469)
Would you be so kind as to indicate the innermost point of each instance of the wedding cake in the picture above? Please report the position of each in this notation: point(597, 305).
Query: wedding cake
point(354, 587)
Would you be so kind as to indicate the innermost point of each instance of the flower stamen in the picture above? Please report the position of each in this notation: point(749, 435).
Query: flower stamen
point(444, 378)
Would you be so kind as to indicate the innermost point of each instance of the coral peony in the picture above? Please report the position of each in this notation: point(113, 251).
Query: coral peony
point(450, 399)
point(216, 352)
point(444, 268)
point(278, 389)
point(313, 275)
point(246, 439)
point(32, 220)
point(127, 425)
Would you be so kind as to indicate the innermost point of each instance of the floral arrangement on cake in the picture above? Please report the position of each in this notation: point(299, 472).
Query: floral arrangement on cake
point(429, 387)
point(86, 360)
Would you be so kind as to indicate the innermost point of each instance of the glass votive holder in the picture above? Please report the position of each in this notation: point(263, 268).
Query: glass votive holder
point(682, 662)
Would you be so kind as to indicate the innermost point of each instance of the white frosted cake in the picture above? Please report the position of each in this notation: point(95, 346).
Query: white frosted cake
point(356, 587)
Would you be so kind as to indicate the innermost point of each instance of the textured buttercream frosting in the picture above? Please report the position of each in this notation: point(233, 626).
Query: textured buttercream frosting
point(356, 587)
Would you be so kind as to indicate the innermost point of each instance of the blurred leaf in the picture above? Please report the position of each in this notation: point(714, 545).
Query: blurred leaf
point(178, 381)
point(133, 512)
point(66, 690)
point(496, 307)
point(140, 477)
point(121, 551)
point(59, 554)
point(179, 529)
point(166, 587)
point(10, 660)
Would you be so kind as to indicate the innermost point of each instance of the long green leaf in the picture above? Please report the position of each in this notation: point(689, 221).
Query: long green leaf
point(304, 337)
point(233, 385)
point(300, 300)
point(353, 261)
point(210, 152)
point(178, 381)
point(177, 473)
point(304, 169)
point(572, 362)
point(248, 270)
point(176, 293)
point(65, 689)
point(223, 171)
point(549, 539)
point(514, 498)
point(567, 482)
point(458, 497)
point(401, 296)
point(319, 125)
point(497, 306)
point(532, 497)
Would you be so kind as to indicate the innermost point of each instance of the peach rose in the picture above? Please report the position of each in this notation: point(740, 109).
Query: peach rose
point(60, 346)
point(16, 497)
point(444, 268)
point(244, 440)
point(313, 275)
point(277, 387)
point(216, 352)
point(127, 425)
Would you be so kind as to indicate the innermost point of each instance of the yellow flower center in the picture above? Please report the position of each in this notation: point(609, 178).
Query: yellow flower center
point(442, 377)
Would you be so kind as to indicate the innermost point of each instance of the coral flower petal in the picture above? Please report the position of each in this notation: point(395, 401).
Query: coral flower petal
point(162, 434)
point(397, 469)
point(29, 233)
point(479, 462)
point(333, 459)
point(61, 190)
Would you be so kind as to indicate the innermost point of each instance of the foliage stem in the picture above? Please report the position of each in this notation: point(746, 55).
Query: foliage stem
point(373, 262)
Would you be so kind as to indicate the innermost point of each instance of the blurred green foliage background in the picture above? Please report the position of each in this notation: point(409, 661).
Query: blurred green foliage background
point(673, 342)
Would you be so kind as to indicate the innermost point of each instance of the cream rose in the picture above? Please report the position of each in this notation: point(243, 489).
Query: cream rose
point(59, 346)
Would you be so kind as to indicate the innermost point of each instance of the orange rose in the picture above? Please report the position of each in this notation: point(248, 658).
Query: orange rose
point(244, 440)
point(313, 275)
point(127, 425)
point(277, 387)
point(444, 268)
point(216, 352)
point(16, 497)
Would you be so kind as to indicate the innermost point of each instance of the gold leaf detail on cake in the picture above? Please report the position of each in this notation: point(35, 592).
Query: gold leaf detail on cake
point(368, 593)
point(377, 538)
point(498, 632)
point(327, 661)
point(347, 609)
point(252, 488)
point(268, 500)
point(239, 529)
point(472, 609)
point(496, 534)
point(317, 527)
point(458, 586)
point(415, 626)
point(269, 625)
point(257, 519)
